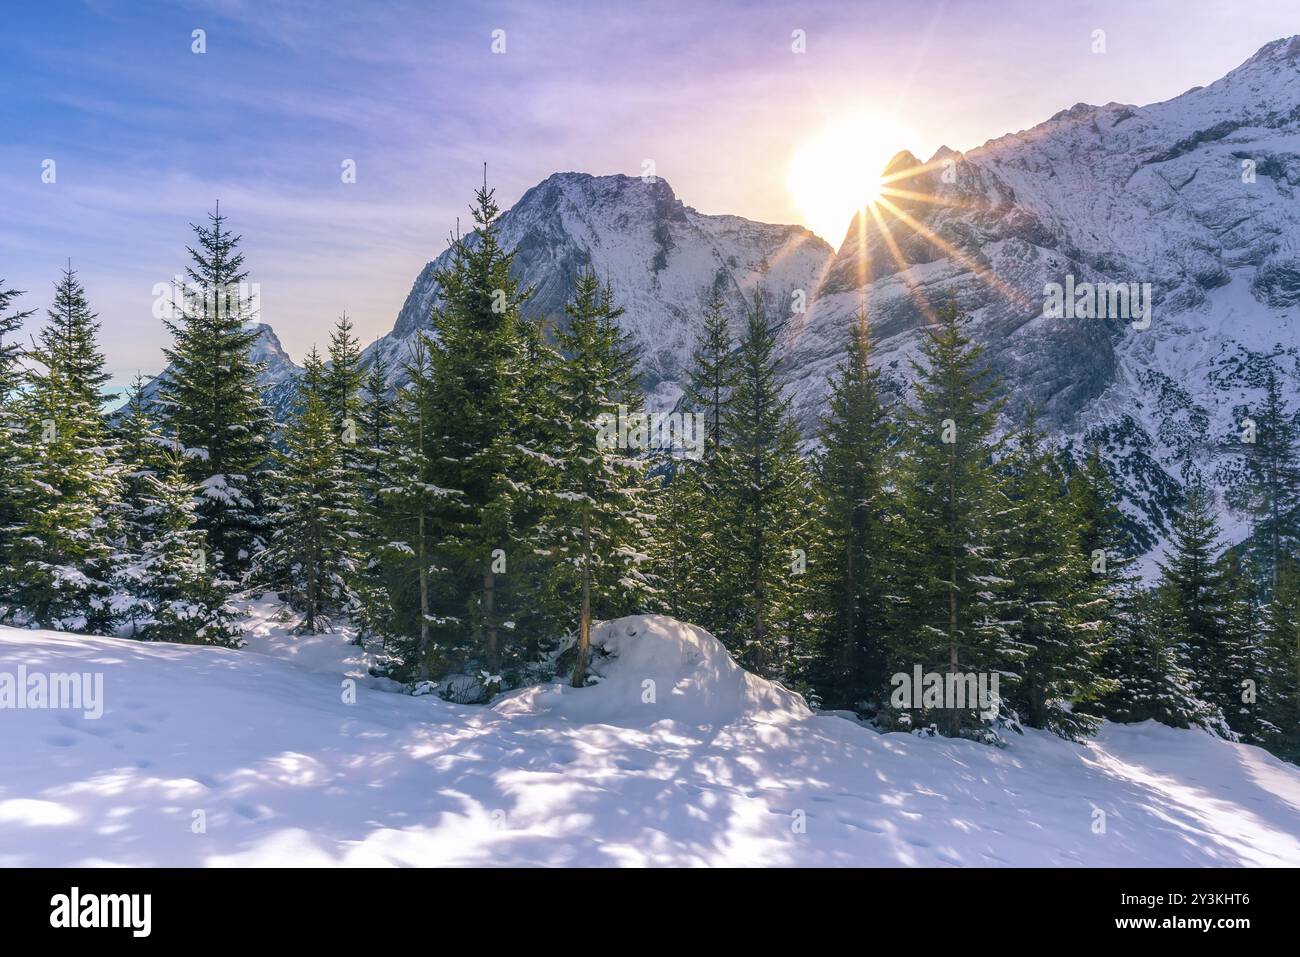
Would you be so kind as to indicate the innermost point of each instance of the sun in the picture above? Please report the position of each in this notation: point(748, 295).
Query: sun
point(837, 171)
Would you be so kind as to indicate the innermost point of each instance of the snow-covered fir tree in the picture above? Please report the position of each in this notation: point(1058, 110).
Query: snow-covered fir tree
point(140, 459)
point(11, 374)
point(61, 554)
point(184, 596)
point(478, 409)
point(1278, 706)
point(312, 556)
point(1148, 666)
point(855, 570)
point(407, 528)
point(374, 440)
point(946, 617)
point(596, 530)
point(1271, 487)
point(686, 547)
point(764, 532)
point(1193, 578)
point(1053, 602)
point(343, 381)
point(1141, 671)
point(1240, 671)
point(210, 397)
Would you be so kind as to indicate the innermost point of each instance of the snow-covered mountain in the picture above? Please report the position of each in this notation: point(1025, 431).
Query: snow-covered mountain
point(1197, 196)
point(278, 379)
point(662, 257)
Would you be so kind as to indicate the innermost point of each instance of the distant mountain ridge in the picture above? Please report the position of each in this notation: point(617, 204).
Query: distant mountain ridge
point(661, 256)
point(277, 378)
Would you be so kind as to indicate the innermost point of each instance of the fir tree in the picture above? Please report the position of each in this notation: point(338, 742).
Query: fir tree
point(375, 441)
point(185, 599)
point(1054, 604)
point(688, 561)
point(11, 321)
point(1278, 712)
point(210, 397)
point(714, 375)
point(140, 448)
point(1150, 677)
point(140, 461)
point(374, 428)
point(545, 611)
point(1194, 581)
point(1238, 672)
point(764, 528)
point(412, 516)
point(677, 547)
point(478, 421)
point(857, 543)
point(597, 526)
point(62, 538)
point(1142, 669)
point(1272, 484)
point(946, 614)
point(344, 378)
point(312, 554)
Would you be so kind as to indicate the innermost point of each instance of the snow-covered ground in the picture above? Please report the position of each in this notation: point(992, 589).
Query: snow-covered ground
point(706, 764)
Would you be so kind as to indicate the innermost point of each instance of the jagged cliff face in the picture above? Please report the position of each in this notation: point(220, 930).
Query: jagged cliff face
point(1198, 196)
point(277, 377)
point(661, 256)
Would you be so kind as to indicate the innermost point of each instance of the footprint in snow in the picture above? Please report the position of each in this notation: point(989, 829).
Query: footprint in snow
point(861, 826)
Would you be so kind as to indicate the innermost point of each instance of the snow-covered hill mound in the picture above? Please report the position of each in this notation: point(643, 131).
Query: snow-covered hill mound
point(650, 669)
point(207, 756)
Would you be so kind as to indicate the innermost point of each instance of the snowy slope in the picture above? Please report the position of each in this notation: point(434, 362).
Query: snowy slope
point(717, 770)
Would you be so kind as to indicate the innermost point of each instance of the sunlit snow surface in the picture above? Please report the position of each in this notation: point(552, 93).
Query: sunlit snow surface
point(720, 768)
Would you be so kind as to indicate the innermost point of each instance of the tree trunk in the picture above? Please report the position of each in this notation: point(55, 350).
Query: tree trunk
point(490, 649)
point(584, 620)
point(850, 651)
point(424, 606)
point(954, 716)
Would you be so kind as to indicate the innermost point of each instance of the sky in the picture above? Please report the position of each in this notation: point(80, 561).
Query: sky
point(146, 134)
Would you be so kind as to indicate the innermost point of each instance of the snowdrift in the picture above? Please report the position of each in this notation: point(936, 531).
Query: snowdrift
point(286, 753)
point(649, 668)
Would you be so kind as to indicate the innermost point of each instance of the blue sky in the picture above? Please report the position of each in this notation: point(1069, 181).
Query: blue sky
point(146, 134)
